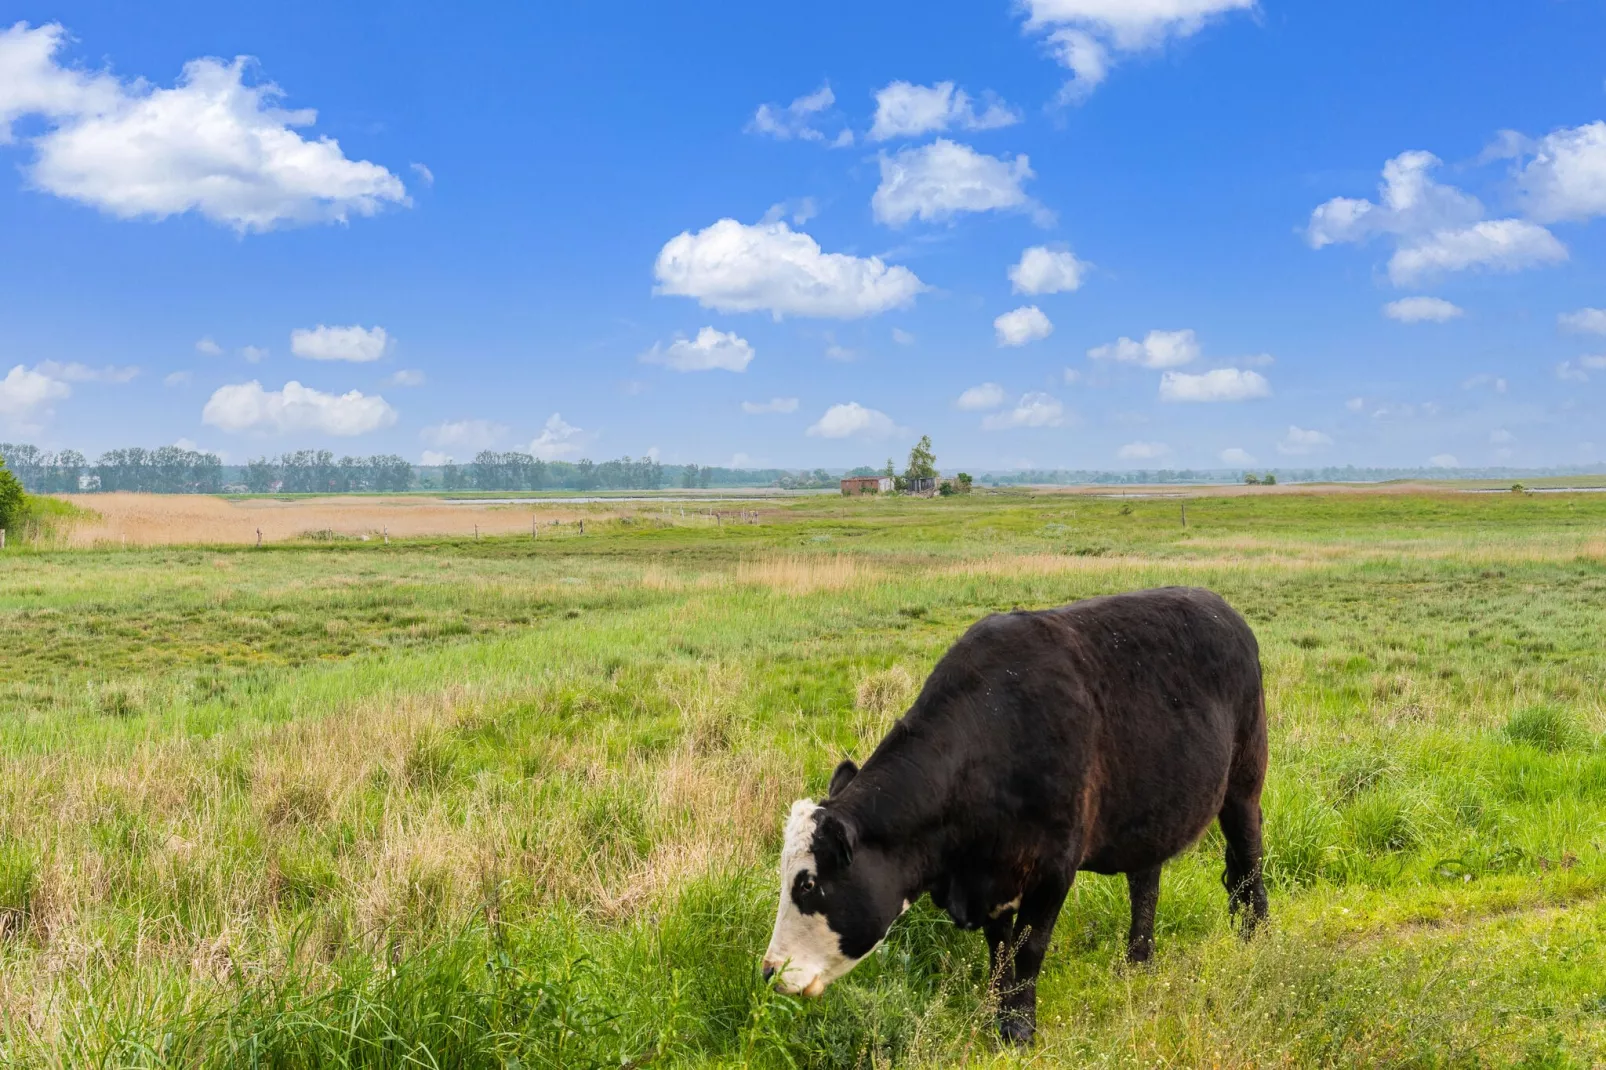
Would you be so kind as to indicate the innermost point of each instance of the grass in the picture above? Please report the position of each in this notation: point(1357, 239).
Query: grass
point(458, 802)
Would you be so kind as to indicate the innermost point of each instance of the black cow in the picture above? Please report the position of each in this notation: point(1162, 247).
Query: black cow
point(1102, 736)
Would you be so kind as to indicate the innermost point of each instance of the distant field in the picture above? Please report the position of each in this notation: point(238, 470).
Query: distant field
point(517, 801)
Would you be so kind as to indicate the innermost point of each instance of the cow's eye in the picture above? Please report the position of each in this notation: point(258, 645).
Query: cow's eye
point(805, 886)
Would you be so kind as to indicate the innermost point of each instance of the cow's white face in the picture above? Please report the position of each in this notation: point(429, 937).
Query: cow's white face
point(836, 904)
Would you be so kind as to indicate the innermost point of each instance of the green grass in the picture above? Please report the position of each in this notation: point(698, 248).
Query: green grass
point(511, 801)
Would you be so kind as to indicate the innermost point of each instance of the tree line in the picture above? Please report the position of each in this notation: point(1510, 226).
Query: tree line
point(520, 471)
point(166, 470)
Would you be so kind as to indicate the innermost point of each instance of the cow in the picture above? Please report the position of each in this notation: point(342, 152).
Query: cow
point(1104, 736)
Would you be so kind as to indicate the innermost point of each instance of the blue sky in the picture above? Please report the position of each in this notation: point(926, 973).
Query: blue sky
point(1053, 233)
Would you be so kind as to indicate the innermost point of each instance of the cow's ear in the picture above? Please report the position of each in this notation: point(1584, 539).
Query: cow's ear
point(842, 777)
point(833, 843)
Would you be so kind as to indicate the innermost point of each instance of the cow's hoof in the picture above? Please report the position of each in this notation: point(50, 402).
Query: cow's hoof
point(1017, 1032)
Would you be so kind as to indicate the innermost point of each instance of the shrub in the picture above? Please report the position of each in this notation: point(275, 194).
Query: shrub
point(13, 502)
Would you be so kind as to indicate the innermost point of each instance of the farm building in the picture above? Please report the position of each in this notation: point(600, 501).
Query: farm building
point(855, 485)
point(920, 485)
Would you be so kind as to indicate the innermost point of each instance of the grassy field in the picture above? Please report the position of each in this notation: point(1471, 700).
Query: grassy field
point(514, 801)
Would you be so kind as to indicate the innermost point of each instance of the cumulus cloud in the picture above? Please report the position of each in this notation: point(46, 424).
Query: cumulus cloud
point(1501, 437)
point(1042, 270)
point(981, 398)
point(253, 354)
point(1023, 325)
point(1143, 451)
point(906, 110)
point(1597, 363)
point(1435, 228)
point(768, 267)
point(405, 377)
point(248, 407)
point(796, 120)
point(1569, 372)
point(1087, 36)
point(935, 182)
point(424, 174)
point(1299, 441)
point(1444, 460)
point(434, 459)
point(73, 372)
point(469, 434)
point(1483, 379)
point(1032, 410)
point(359, 345)
point(1236, 455)
point(902, 337)
point(211, 144)
point(754, 408)
point(1221, 384)
point(1422, 310)
point(1584, 321)
point(558, 439)
point(853, 420)
point(1159, 349)
point(173, 379)
point(27, 395)
point(209, 348)
point(1561, 176)
point(710, 350)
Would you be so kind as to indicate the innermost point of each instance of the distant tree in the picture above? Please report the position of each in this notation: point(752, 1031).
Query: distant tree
point(260, 475)
point(863, 470)
point(963, 483)
point(922, 461)
point(1251, 479)
point(13, 501)
point(452, 477)
point(890, 471)
point(705, 476)
point(688, 476)
point(1271, 479)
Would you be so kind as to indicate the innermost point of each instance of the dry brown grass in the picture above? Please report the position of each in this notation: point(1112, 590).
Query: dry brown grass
point(186, 519)
point(800, 575)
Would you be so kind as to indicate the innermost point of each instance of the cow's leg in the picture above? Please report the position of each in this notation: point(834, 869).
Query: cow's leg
point(1240, 823)
point(1034, 925)
point(1000, 934)
point(1144, 887)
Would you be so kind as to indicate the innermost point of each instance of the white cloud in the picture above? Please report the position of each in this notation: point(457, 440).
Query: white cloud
point(1235, 455)
point(1422, 309)
point(841, 353)
point(359, 345)
point(853, 419)
point(906, 110)
point(1445, 460)
point(754, 408)
point(1221, 384)
point(211, 144)
point(1032, 410)
point(938, 181)
point(1159, 349)
point(1485, 379)
point(1256, 360)
point(1435, 228)
point(1042, 270)
point(710, 350)
point(73, 372)
point(1300, 441)
point(557, 440)
point(253, 354)
point(176, 379)
point(1597, 363)
point(248, 407)
point(1086, 36)
point(1355, 404)
point(1501, 437)
point(902, 337)
point(769, 267)
point(1143, 451)
point(1569, 372)
point(653, 453)
point(208, 347)
point(980, 398)
point(796, 120)
point(435, 459)
point(1071, 376)
point(1564, 175)
point(739, 460)
point(1584, 321)
point(469, 434)
point(405, 377)
point(1023, 325)
point(424, 174)
point(27, 394)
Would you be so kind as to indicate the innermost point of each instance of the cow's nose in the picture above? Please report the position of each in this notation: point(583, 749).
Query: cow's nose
point(769, 974)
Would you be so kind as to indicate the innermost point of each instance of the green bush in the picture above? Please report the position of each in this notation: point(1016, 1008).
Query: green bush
point(13, 502)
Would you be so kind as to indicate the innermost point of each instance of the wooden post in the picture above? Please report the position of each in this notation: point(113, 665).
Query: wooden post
point(387, 534)
point(476, 531)
point(534, 532)
point(582, 527)
point(1184, 512)
point(2, 538)
point(259, 537)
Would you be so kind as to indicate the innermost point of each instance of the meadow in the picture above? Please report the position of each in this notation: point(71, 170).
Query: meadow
point(515, 801)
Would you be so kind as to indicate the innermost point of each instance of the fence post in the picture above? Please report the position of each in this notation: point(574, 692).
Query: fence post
point(387, 534)
point(1184, 512)
point(259, 537)
point(2, 538)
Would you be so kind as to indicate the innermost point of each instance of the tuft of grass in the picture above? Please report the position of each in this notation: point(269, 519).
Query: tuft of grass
point(1548, 727)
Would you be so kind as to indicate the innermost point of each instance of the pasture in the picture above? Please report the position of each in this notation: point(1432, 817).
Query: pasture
point(511, 801)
